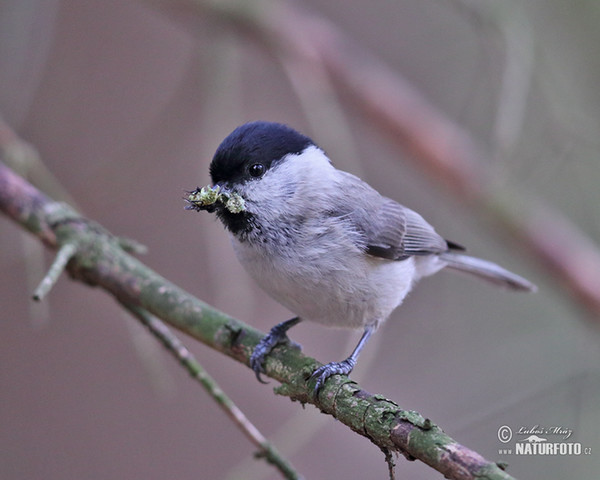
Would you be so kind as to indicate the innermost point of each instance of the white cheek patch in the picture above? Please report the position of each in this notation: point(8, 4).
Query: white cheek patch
point(293, 175)
point(311, 163)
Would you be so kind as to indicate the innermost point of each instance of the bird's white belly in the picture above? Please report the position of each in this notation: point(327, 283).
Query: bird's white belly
point(321, 290)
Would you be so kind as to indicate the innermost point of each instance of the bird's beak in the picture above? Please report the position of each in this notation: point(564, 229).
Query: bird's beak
point(202, 199)
point(212, 197)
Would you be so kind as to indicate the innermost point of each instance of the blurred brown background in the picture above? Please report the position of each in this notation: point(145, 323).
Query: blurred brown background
point(126, 102)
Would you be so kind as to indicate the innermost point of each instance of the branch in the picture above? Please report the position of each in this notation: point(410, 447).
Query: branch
point(439, 147)
point(266, 449)
point(100, 261)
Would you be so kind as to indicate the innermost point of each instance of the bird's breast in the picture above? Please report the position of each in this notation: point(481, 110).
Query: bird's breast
point(327, 279)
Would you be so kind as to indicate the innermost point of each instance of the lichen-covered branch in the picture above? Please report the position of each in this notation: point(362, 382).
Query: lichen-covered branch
point(100, 261)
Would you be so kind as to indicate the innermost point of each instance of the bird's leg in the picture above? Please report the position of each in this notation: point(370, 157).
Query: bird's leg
point(344, 367)
point(276, 336)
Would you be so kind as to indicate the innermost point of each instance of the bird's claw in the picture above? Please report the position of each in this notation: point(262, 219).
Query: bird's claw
point(276, 336)
point(334, 368)
point(257, 359)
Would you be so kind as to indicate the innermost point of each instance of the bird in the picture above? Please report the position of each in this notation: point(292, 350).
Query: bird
point(321, 241)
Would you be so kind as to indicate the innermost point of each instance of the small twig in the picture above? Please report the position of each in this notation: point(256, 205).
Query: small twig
point(389, 459)
point(185, 357)
point(35, 267)
point(64, 254)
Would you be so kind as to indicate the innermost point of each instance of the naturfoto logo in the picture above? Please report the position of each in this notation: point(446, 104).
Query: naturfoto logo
point(539, 440)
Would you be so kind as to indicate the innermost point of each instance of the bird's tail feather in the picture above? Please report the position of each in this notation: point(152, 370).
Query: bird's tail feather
point(488, 271)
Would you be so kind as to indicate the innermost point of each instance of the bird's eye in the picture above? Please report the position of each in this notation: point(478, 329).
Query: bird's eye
point(256, 170)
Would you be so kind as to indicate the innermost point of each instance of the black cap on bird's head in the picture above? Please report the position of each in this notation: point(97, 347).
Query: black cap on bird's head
point(252, 149)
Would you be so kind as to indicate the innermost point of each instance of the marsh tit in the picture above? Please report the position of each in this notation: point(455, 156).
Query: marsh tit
point(321, 241)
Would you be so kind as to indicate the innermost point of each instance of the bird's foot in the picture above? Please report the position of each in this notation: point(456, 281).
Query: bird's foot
point(276, 336)
point(333, 368)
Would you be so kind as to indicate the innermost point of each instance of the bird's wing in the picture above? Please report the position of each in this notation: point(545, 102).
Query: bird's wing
point(387, 229)
point(399, 232)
